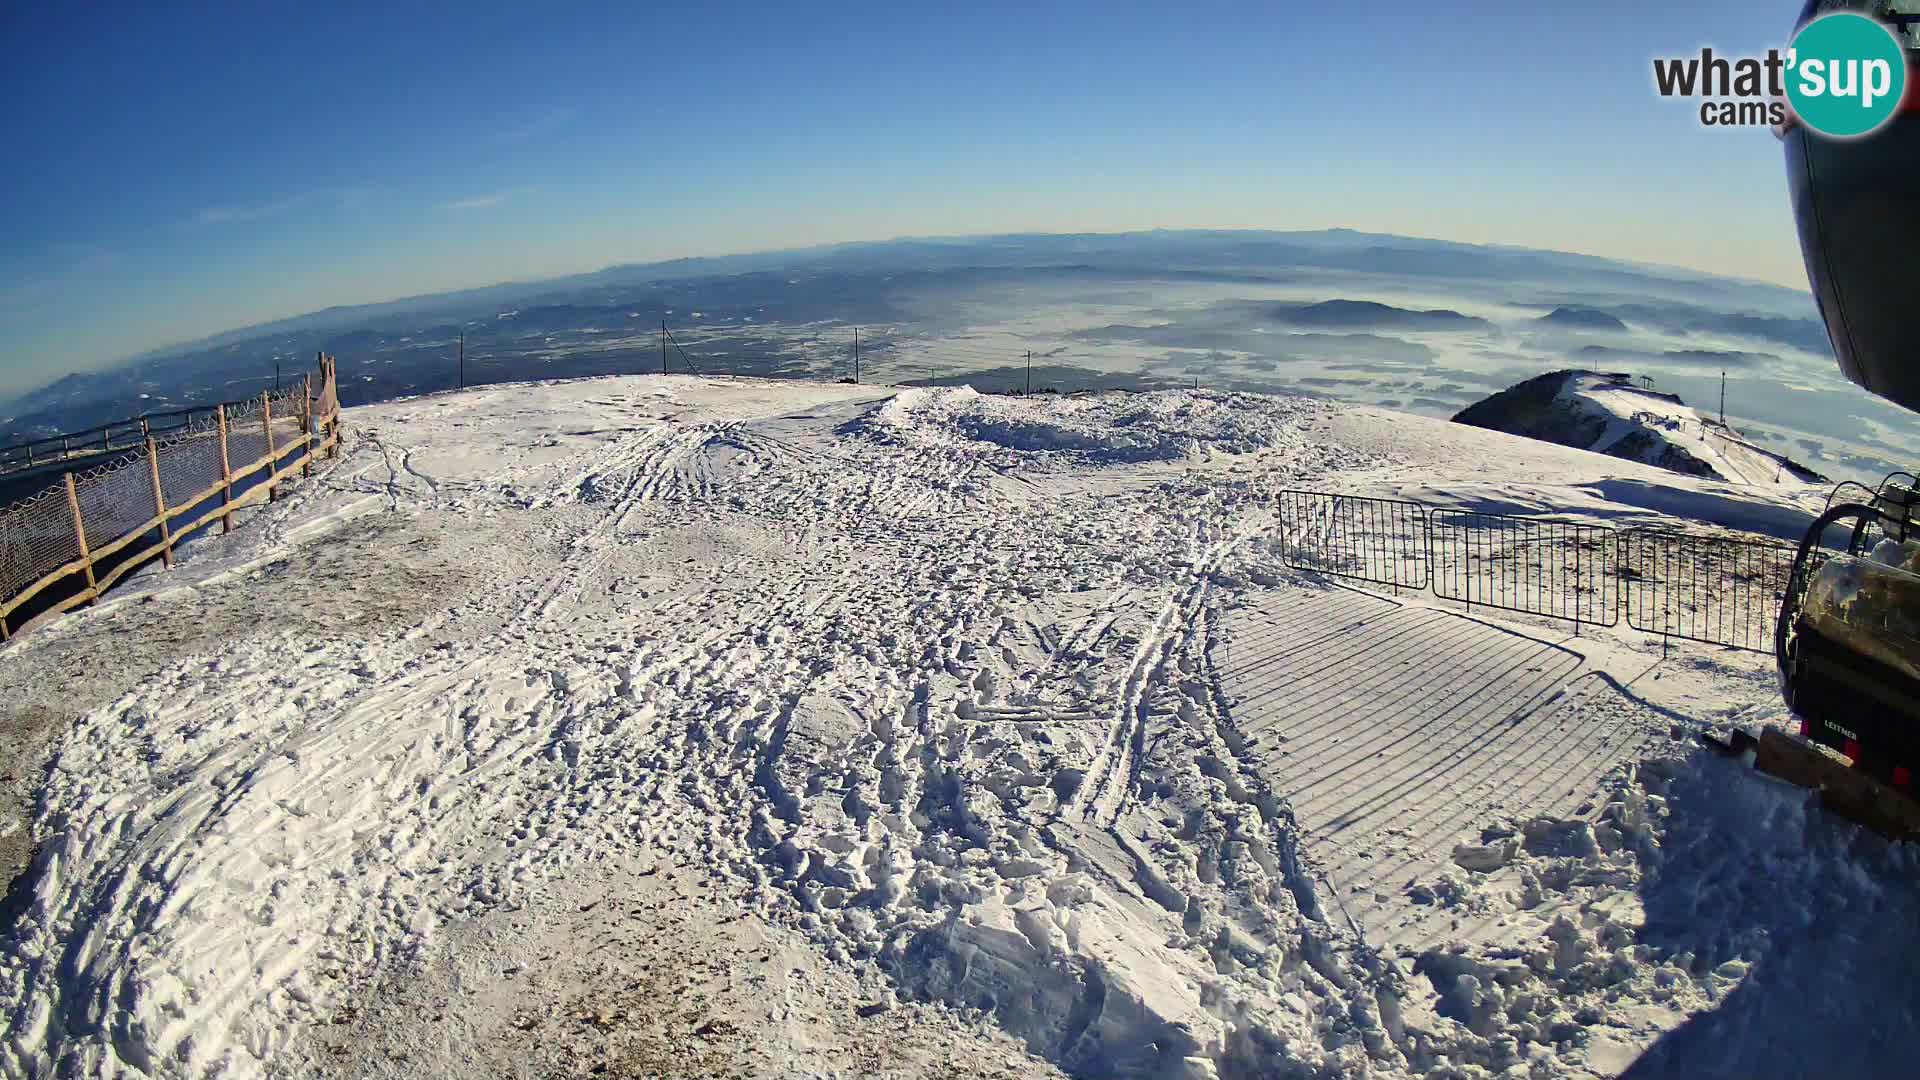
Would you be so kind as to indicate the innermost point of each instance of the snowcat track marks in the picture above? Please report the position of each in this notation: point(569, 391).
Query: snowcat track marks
point(1407, 712)
point(1282, 826)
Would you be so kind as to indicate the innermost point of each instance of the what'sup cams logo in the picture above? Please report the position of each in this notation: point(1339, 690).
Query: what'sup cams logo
point(1844, 74)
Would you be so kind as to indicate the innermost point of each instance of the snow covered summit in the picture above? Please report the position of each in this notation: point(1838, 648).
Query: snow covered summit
point(1608, 414)
point(668, 726)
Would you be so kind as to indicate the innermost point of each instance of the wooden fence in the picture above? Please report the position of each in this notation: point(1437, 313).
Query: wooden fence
point(83, 534)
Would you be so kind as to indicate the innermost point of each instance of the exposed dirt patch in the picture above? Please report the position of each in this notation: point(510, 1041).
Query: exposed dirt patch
point(661, 978)
point(25, 731)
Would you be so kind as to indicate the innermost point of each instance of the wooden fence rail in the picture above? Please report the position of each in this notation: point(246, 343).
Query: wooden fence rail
point(319, 427)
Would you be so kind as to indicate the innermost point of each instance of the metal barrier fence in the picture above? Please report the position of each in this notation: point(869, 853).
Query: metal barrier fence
point(74, 540)
point(1378, 540)
point(121, 435)
point(1536, 566)
point(1718, 590)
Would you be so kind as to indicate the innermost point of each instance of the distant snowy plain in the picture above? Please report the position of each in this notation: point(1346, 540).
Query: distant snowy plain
point(660, 725)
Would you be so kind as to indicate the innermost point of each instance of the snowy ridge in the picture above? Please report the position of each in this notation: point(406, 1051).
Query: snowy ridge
point(1630, 411)
point(1608, 414)
point(1004, 707)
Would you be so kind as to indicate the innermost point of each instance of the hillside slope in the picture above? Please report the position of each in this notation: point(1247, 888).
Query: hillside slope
point(1608, 414)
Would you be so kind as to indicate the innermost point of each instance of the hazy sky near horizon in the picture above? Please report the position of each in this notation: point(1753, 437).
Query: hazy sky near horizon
point(178, 171)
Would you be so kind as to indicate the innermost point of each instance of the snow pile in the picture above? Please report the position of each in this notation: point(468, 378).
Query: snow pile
point(1702, 890)
point(875, 700)
point(1096, 429)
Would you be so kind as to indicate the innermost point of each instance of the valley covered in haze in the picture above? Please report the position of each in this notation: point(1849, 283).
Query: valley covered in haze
point(1426, 326)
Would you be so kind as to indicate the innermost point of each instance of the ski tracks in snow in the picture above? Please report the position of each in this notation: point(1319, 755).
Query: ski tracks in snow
point(802, 661)
point(1115, 772)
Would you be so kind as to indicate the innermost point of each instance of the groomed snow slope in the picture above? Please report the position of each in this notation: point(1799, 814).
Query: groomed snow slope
point(675, 726)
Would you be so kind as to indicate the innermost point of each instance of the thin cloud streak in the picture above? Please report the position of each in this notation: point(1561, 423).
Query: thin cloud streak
point(350, 198)
point(477, 202)
point(539, 125)
point(225, 215)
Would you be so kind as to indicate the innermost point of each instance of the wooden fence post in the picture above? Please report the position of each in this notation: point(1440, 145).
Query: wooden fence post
point(80, 534)
point(226, 471)
point(306, 425)
point(273, 464)
point(160, 503)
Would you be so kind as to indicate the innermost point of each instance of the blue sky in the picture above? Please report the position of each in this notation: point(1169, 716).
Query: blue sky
point(178, 170)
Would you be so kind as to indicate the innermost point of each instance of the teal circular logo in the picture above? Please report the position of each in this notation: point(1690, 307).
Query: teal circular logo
point(1845, 74)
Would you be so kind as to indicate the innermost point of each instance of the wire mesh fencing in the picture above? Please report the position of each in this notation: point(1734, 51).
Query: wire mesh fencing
point(189, 467)
point(190, 461)
point(246, 432)
point(36, 536)
point(116, 500)
point(128, 509)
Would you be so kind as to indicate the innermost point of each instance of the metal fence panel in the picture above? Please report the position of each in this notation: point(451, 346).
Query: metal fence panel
point(1377, 540)
point(1559, 569)
point(1716, 590)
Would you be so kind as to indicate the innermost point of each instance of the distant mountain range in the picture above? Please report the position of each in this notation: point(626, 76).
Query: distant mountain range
point(1426, 325)
point(1574, 318)
point(1372, 315)
point(1208, 254)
